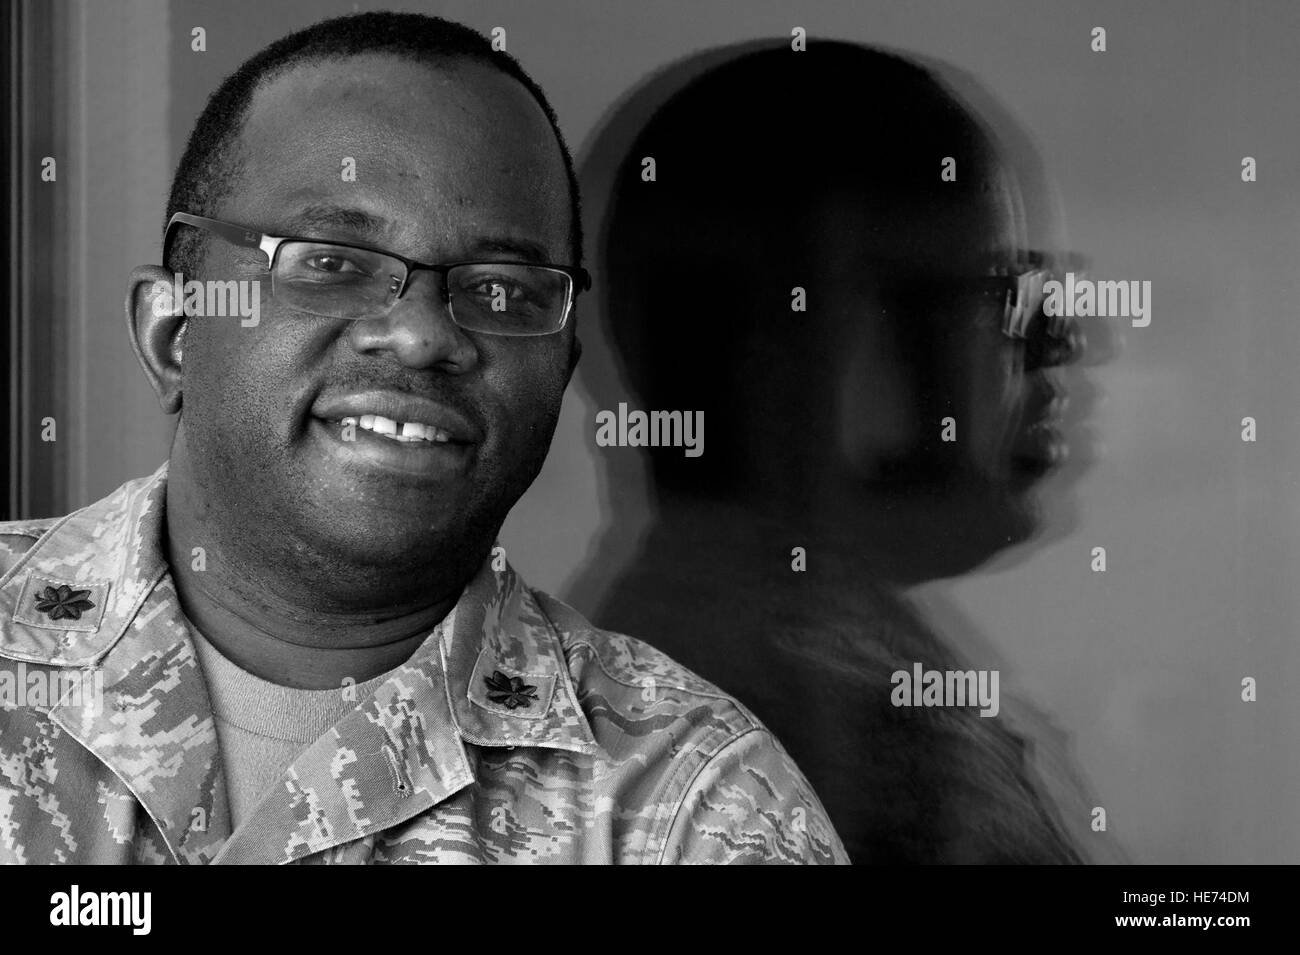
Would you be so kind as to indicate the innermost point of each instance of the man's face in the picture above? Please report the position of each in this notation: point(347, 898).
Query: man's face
point(1011, 403)
point(451, 163)
point(944, 355)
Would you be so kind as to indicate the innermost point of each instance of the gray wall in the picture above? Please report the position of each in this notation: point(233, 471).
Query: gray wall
point(1140, 666)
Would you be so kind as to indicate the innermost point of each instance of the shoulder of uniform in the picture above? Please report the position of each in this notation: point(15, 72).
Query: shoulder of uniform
point(638, 668)
point(727, 791)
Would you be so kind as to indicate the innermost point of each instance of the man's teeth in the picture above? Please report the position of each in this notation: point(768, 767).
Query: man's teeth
point(407, 431)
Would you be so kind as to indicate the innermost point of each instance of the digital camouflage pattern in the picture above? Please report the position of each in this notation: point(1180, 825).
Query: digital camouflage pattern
point(516, 733)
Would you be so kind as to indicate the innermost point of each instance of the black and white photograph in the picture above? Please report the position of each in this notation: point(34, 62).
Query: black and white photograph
point(669, 432)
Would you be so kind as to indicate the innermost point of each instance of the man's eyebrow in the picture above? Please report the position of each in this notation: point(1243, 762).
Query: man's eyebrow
point(523, 249)
point(327, 216)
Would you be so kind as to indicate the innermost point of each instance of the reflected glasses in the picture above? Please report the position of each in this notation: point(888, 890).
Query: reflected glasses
point(341, 280)
point(1011, 294)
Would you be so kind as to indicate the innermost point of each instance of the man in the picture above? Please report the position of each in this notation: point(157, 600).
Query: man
point(309, 648)
point(888, 421)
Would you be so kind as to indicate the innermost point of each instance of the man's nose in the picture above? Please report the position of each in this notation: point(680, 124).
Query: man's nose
point(1053, 342)
point(418, 330)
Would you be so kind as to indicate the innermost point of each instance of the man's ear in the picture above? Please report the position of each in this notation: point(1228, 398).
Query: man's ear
point(155, 321)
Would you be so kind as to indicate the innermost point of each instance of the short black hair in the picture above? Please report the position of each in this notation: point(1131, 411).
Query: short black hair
point(211, 163)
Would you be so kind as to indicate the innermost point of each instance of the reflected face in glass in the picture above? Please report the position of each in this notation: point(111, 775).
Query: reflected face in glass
point(1013, 409)
point(926, 357)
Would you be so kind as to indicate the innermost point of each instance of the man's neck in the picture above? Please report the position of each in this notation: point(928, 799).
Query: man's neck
point(271, 624)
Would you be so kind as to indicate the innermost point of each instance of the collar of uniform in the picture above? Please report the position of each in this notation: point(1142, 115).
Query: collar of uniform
point(507, 678)
point(112, 551)
point(402, 751)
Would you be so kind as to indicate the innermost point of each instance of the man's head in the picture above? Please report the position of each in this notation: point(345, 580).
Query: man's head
point(859, 179)
point(407, 134)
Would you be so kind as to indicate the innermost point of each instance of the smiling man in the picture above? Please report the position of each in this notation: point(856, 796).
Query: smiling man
point(310, 647)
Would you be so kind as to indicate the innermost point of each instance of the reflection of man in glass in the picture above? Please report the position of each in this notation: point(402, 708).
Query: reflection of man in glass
point(894, 430)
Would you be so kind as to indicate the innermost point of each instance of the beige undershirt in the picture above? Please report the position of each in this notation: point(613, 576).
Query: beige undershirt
point(262, 727)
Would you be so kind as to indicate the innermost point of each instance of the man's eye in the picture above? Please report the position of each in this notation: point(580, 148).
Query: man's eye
point(514, 295)
point(490, 288)
point(333, 263)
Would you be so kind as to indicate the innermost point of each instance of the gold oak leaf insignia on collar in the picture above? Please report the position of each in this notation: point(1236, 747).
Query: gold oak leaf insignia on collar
point(511, 691)
point(62, 601)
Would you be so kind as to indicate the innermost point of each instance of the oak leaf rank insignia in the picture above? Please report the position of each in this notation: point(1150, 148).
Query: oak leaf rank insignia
point(62, 601)
point(511, 691)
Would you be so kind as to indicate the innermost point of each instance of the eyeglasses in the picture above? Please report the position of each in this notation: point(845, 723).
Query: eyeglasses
point(1013, 293)
point(342, 280)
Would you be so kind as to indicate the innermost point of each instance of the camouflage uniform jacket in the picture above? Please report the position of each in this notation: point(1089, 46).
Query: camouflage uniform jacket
point(516, 733)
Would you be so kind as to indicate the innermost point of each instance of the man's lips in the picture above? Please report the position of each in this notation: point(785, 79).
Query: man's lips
point(1040, 441)
point(367, 428)
point(392, 413)
point(1041, 444)
point(415, 461)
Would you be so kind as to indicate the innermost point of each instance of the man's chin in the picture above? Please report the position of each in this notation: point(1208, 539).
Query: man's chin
point(381, 538)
